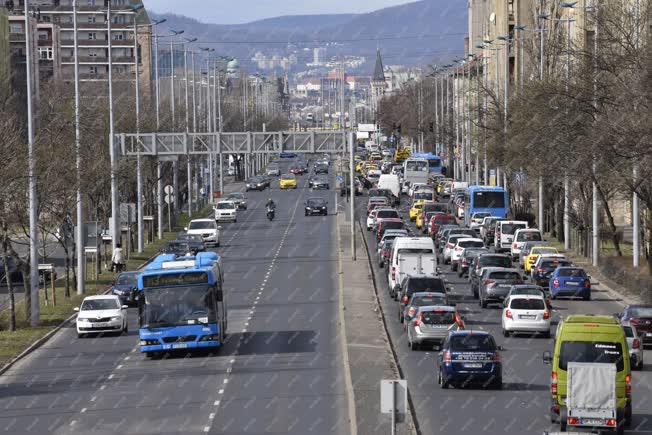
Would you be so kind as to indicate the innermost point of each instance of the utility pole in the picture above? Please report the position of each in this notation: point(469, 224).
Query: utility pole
point(139, 172)
point(79, 247)
point(159, 175)
point(115, 211)
point(189, 161)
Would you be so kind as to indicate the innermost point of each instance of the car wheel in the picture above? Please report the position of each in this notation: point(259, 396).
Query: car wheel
point(497, 384)
point(628, 416)
point(125, 330)
point(235, 220)
point(587, 297)
point(546, 334)
point(217, 244)
point(442, 382)
point(483, 303)
point(306, 213)
point(414, 346)
point(454, 267)
point(505, 333)
point(381, 264)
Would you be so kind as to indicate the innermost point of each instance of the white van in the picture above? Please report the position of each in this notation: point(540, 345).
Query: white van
point(411, 255)
point(524, 235)
point(391, 182)
point(371, 146)
point(504, 235)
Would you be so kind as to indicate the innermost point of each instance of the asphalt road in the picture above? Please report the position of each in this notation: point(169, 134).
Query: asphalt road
point(279, 372)
point(521, 407)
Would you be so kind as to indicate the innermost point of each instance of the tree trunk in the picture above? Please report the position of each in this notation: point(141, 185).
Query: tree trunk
point(10, 286)
point(28, 293)
point(610, 219)
point(67, 260)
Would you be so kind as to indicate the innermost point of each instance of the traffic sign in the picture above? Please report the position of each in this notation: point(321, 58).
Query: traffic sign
point(168, 189)
point(169, 199)
point(393, 396)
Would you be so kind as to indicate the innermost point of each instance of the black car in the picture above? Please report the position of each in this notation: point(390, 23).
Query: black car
point(482, 261)
point(176, 247)
point(125, 286)
point(316, 206)
point(318, 182)
point(195, 242)
point(321, 168)
point(256, 183)
point(239, 198)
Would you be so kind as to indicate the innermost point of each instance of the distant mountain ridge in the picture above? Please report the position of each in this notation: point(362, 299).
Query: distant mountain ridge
point(425, 31)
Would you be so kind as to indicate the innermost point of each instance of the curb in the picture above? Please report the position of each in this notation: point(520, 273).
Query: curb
point(413, 413)
point(41, 341)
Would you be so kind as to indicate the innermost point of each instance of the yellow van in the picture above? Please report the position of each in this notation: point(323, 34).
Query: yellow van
point(594, 339)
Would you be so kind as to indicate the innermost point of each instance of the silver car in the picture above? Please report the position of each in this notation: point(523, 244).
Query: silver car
point(635, 345)
point(431, 325)
point(422, 299)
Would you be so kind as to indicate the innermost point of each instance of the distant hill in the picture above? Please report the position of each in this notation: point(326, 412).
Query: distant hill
point(426, 31)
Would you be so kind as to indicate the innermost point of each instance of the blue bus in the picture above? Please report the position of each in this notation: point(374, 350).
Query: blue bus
point(181, 304)
point(434, 162)
point(485, 199)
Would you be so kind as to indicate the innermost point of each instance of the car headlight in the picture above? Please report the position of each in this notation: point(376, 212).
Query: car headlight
point(213, 337)
point(148, 342)
point(115, 319)
point(82, 319)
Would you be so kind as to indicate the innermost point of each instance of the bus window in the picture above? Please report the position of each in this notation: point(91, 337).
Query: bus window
point(489, 200)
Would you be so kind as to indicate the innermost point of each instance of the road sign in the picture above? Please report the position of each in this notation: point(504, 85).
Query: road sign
point(169, 199)
point(168, 189)
point(393, 396)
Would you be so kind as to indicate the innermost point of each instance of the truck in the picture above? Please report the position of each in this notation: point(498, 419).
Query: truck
point(591, 400)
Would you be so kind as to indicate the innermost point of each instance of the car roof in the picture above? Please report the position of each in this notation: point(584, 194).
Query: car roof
point(470, 332)
point(526, 297)
point(501, 269)
point(424, 294)
point(206, 219)
point(448, 308)
point(493, 254)
point(469, 239)
point(96, 297)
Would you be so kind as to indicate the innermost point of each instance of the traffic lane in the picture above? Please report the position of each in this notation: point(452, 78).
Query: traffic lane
point(288, 373)
point(525, 378)
point(47, 387)
point(177, 394)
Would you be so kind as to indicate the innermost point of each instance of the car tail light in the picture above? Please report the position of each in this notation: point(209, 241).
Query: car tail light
point(546, 315)
point(553, 383)
point(488, 282)
point(634, 322)
point(573, 421)
point(611, 422)
point(555, 283)
point(419, 321)
point(508, 314)
point(393, 272)
point(404, 300)
point(628, 386)
point(587, 283)
point(636, 344)
point(447, 358)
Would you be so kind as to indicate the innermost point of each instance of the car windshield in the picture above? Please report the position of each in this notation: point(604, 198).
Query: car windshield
point(571, 273)
point(203, 225)
point(527, 291)
point(511, 228)
point(554, 264)
point(127, 279)
point(435, 285)
point(387, 214)
point(591, 352)
point(629, 332)
point(527, 304)
point(472, 343)
point(316, 202)
point(225, 205)
point(237, 196)
point(481, 215)
point(287, 177)
point(391, 225)
point(538, 251)
point(100, 304)
point(470, 244)
point(495, 261)
point(504, 275)
point(183, 305)
point(529, 236)
point(438, 317)
point(189, 237)
point(421, 301)
point(641, 312)
point(423, 195)
point(489, 199)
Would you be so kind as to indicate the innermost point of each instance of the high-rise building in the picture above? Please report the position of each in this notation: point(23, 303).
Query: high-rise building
point(55, 36)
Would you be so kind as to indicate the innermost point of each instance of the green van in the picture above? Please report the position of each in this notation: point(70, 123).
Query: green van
point(596, 339)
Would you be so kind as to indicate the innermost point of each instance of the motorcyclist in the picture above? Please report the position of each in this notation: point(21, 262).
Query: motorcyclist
point(270, 204)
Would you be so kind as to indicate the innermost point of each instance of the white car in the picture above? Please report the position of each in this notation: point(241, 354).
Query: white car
point(635, 345)
point(371, 218)
point(477, 219)
point(416, 186)
point(101, 314)
point(521, 236)
point(207, 229)
point(226, 211)
point(458, 250)
point(273, 170)
point(526, 313)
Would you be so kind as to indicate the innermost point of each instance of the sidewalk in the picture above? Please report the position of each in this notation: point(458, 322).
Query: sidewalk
point(370, 355)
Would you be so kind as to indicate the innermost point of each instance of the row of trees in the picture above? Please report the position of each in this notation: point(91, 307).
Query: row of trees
point(593, 125)
point(56, 172)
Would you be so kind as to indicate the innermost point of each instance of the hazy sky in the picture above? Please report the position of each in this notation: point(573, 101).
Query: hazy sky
point(241, 11)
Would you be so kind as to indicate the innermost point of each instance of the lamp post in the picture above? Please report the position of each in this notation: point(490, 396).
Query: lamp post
point(175, 164)
point(79, 247)
point(507, 41)
point(187, 124)
point(484, 105)
point(114, 163)
point(159, 175)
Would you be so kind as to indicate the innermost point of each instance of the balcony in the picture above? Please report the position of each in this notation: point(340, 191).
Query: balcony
point(45, 42)
point(97, 59)
point(17, 37)
point(81, 26)
point(98, 43)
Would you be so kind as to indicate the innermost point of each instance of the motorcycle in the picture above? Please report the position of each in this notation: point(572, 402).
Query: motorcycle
point(270, 213)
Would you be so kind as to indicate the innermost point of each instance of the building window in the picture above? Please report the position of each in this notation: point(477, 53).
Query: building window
point(92, 53)
point(118, 36)
point(91, 19)
point(45, 18)
point(45, 53)
point(15, 28)
point(92, 69)
point(92, 35)
point(43, 36)
point(91, 3)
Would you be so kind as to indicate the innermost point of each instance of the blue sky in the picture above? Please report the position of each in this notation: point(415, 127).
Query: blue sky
point(241, 11)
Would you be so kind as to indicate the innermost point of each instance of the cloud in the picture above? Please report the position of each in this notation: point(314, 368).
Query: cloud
point(230, 12)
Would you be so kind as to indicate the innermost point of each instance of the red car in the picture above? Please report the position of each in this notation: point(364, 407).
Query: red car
point(297, 170)
point(438, 220)
point(375, 202)
point(386, 224)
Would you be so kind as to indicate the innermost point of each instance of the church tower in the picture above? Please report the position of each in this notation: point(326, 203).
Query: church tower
point(378, 84)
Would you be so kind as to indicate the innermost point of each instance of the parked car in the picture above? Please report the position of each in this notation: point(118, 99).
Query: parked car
point(526, 313)
point(495, 284)
point(570, 281)
point(431, 325)
point(101, 314)
point(470, 357)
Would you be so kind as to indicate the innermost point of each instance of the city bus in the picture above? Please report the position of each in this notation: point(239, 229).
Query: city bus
point(434, 162)
point(488, 199)
point(181, 304)
point(415, 171)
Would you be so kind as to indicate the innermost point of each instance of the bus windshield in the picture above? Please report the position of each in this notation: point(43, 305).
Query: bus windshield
point(176, 306)
point(416, 165)
point(489, 200)
point(434, 163)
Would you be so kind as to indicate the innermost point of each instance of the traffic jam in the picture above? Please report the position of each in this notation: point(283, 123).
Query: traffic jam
point(425, 230)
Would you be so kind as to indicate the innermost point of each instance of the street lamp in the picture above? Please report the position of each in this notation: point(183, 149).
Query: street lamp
point(175, 164)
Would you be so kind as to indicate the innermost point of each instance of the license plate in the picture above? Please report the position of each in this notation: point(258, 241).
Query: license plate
point(527, 317)
point(473, 365)
point(572, 283)
point(99, 325)
point(179, 346)
point(592, 422)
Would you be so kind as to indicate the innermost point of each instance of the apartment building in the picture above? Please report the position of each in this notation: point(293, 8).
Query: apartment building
point(55, 36)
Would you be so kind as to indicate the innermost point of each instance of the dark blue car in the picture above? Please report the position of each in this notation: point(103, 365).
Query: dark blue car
point(541, 274)
point(287, 155)
point(125, 287)
point(570, 281)
point(470, 358)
